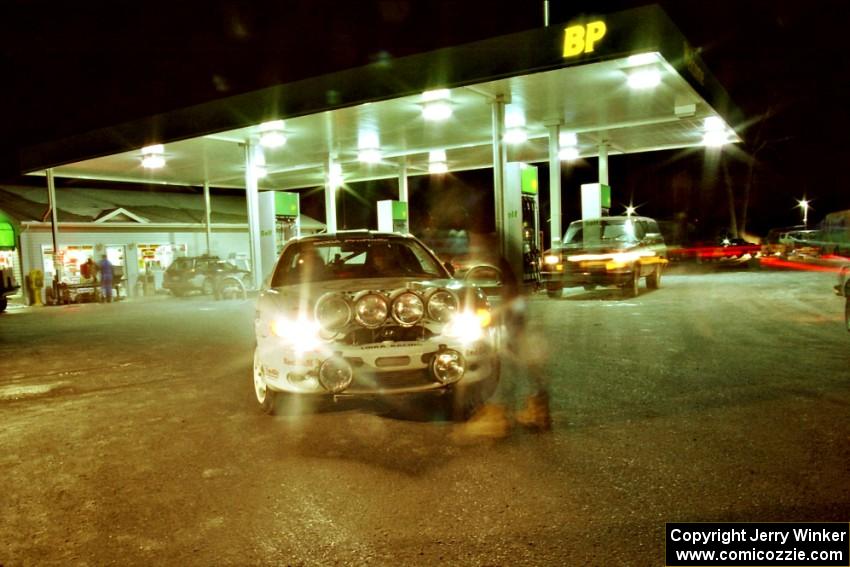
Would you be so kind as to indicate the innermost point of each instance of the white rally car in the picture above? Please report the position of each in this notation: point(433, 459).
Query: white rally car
point(371, 314)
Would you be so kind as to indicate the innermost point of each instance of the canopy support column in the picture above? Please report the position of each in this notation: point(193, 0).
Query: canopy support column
point(207, 214)
point(252, 198)
point(330, 196)
point(499, 163)
point(603, 163)
point(54, 226)
point(554, 185)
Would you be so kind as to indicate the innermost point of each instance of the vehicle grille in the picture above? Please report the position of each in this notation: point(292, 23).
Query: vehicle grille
point(364, 336)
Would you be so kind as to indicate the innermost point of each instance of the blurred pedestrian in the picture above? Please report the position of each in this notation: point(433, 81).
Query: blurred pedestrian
point(522, 357)
point(105, 279)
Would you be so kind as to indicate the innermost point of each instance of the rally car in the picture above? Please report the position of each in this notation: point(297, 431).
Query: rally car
point(365, 314)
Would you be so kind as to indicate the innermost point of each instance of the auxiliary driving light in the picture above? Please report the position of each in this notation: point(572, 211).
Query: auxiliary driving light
point(333, 312)
point(371, 310)
point(447, 366)
point(442, 304)
point(335, 374)
point(408, 309)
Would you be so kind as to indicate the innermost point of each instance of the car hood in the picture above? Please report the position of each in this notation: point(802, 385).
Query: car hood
point(577, 249)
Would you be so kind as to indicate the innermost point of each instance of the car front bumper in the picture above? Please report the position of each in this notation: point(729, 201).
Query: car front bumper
point(378, 369)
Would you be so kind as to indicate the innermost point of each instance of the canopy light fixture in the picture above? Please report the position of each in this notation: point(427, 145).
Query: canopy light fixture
point(153, 157)
point(567, 139)
point(716, 132)
point(715, 139)
point(639, 59)
point(335, 178)
point(272, 134)
point(713, 124)
point(437, 106)
point(369, 145)
point(569, 153)
point(516, 135)
point(643, 79)
point(437, 162)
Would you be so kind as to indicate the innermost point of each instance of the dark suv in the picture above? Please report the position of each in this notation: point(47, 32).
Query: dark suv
point(608, 251)
point(209, 275)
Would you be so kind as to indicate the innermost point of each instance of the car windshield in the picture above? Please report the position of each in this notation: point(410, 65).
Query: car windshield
point(323, 260)
point(601, 231)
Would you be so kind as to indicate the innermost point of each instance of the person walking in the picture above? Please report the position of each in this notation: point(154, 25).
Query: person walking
point(521, 367)
point(105, 279)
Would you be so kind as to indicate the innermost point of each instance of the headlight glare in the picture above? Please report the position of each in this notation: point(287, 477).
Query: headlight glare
point(302, 334)
point(465, 326)
point(551, 259)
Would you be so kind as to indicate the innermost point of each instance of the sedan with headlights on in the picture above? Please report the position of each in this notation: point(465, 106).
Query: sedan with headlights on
point(364, 314)
point(608, 251)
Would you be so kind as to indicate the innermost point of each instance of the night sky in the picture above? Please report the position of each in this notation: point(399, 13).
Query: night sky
point(71, 67)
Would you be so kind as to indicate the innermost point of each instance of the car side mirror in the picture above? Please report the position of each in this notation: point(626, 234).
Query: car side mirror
point(450, 268)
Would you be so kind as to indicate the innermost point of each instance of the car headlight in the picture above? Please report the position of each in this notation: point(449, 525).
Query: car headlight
point(371, 310)
point(551, 259)
point(468, 326)
point(335, 374)
point(442, 304)
point(333, 312)
point(408, 308)
point(447, 366)
point(301, 334)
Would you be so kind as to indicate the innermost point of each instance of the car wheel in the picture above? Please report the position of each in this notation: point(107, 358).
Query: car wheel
point(178, 292)
point(589, 287)
point(632, 288)
point(3, 303)
point(266, 397)
point(208, 288)
point(232, 288)
point(653, 280)
point(554, 292)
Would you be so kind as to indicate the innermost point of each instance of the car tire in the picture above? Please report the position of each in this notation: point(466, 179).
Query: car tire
point(265, 396)
point(632, 288)
point(554, 292)
point(653, 280)
point(589, 287)
point(3, 303)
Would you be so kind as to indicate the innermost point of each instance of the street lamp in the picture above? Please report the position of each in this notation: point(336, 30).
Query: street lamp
point(804, 206)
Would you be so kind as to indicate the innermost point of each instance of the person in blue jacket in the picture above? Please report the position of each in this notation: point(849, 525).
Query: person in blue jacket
point(105, 278)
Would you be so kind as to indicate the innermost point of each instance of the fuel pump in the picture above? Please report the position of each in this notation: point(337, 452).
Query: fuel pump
point(521, 221)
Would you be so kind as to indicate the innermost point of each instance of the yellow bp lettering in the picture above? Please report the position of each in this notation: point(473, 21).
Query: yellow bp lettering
point(595, 32)
point(573, 40)
point(582, 39)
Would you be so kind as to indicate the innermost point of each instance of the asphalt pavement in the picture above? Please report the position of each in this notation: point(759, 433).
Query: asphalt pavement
point(130, 436)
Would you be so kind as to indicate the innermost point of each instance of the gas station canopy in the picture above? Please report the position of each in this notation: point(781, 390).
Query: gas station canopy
point(628, 81)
